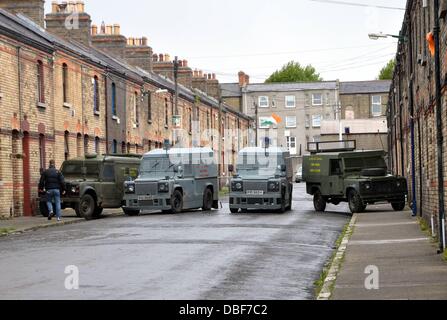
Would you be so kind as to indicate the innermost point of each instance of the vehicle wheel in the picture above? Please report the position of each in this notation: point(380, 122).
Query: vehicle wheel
point(177, 202)
point(283, 204)
point(98, 211)
point(77, 209)
point(398, 206)
point(43, 208)
point(234, 211)
point(207, 200)
point(364, 208)
point(319, 202)
point(87, 207)
point(289, 207)
point(355, 202)
point(131, 212)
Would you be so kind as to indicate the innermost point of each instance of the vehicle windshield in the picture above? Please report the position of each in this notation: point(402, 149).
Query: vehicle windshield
point(156, 167)
point(357, 164)
point(259, 165)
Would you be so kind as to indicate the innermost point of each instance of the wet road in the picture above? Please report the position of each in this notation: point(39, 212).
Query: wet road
point(187, 256)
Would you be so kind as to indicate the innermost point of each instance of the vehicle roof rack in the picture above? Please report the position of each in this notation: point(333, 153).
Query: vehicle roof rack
point(332, 146)
point(124, 155)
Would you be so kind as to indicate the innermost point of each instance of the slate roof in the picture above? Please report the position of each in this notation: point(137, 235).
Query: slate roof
point(29, 32)
point(359, 87)
point(290, 87)
point(230, 90)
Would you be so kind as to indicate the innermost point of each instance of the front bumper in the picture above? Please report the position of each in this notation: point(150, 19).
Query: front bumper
point(269, 201)
point(394, 197)
point(156, 203)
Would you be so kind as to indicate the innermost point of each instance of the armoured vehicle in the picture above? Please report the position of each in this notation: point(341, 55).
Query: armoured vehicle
point(335, 173)
point(263, 181)
point(94, 183)
point(173, 180)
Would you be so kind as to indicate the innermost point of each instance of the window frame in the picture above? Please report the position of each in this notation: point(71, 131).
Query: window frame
point(286, 102)
point(267, 101)
point(313, 99)
point(65, 83)
point(114, 107)
point(96, 97)
point(314, 116)
point(295, 122)
point(373, 105)
point(40, 82)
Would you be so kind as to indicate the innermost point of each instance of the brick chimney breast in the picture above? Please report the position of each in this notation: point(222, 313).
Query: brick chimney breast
point(33, 9)
point(60, 17)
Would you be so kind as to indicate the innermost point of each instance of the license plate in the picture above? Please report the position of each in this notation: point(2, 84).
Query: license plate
point(255, 192)
point(145, 198)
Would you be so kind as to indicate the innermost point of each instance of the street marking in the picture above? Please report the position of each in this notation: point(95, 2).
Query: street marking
point(374, 242)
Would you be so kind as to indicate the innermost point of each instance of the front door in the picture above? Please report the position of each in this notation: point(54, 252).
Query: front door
point(111, 196)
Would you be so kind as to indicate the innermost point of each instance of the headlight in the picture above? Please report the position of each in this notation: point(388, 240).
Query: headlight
point(74, 190)
point(163, 187)
point(130, 188)
point(237, 186)
point(368, 186)
point(398, 184)
point(273, 186)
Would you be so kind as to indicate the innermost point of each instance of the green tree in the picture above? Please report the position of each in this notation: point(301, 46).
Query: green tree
point(294, 72)
point(387, 72)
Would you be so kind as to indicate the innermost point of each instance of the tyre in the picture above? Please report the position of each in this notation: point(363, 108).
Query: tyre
point(87, 207)
point(398, 206)
point(77, 209)
point(289, 207)
point(177, 202)
point(131, 212)
point(98, 211)
point(234, 211)
point(207, 200)
point(43, 209)
point(356, 204)
point(283, 203)
point(319, 202)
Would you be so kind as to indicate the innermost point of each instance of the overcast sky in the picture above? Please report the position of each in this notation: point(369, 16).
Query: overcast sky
point(259, 36)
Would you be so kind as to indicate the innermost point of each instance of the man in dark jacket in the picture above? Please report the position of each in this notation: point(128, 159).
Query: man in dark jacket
point(52, 182)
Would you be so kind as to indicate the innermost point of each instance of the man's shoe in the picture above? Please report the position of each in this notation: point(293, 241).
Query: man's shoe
point(59, 219)
point(50, 216)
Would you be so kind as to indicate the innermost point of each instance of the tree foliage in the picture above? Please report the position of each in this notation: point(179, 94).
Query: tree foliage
point(294, 72)
point(387, 72)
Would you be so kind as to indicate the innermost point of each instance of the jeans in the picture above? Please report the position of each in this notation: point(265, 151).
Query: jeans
point(54, 195)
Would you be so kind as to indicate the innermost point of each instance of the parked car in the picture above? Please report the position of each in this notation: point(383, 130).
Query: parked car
point(174, 180)
point(299, 174)
point(95, 183)
point(263, 181)
point(335, 175)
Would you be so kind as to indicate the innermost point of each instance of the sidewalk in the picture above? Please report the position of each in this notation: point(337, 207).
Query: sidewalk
point(407, 260)
point(24, 224)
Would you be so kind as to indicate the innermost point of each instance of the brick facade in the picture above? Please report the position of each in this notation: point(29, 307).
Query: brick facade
point(61, 100)
point(413, 105)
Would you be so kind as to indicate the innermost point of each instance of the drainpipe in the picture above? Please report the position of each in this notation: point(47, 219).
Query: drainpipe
point(106, 110)
point(439, 128)
point(420, 165)
point(19, 86)
point(411, 107)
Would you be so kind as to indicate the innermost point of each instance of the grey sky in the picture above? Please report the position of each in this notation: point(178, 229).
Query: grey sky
point(259, 36)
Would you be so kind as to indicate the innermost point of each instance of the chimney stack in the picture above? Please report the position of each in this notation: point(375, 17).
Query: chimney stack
point(33, 9)
point(60, 16)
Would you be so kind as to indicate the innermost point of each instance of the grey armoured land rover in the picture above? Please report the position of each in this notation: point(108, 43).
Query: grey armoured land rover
point(335, 173)
point(173, 180)
point(95, 183)
point(263, 181)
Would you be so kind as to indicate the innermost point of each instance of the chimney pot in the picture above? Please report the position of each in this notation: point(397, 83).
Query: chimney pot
point(144, 41)
point(94, 30)
point(80, 6)
point(214, 76)
point(167, 58)
point(209, 76)
point(109, 29)
point(180, 63)
point(71, 6)
point(116, 29)
point(161, 57)
point(201, 74)
point(54, 7)
point(247, 79)
point(155, 57)
point(241, 75)
point(185, 63)
point(103, 28)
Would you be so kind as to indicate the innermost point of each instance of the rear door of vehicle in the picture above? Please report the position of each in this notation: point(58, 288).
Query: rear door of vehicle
point(111, 195)
point(335, 178)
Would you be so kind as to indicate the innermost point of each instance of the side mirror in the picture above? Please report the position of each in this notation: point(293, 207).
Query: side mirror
point(175, 169)
point(283, 168)
point(231, 168)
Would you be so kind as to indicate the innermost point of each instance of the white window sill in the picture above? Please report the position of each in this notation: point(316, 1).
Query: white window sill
point(115, 118)
point(67, 105)
point(41, 105)
point(97, 113)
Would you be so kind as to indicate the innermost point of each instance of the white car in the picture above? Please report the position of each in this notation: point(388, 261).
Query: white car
point(299, 174)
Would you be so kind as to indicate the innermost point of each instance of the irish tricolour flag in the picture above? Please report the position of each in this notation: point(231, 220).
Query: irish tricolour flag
point(270, 121)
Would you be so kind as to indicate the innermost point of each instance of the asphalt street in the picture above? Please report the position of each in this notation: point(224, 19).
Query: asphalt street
point(193, 255)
